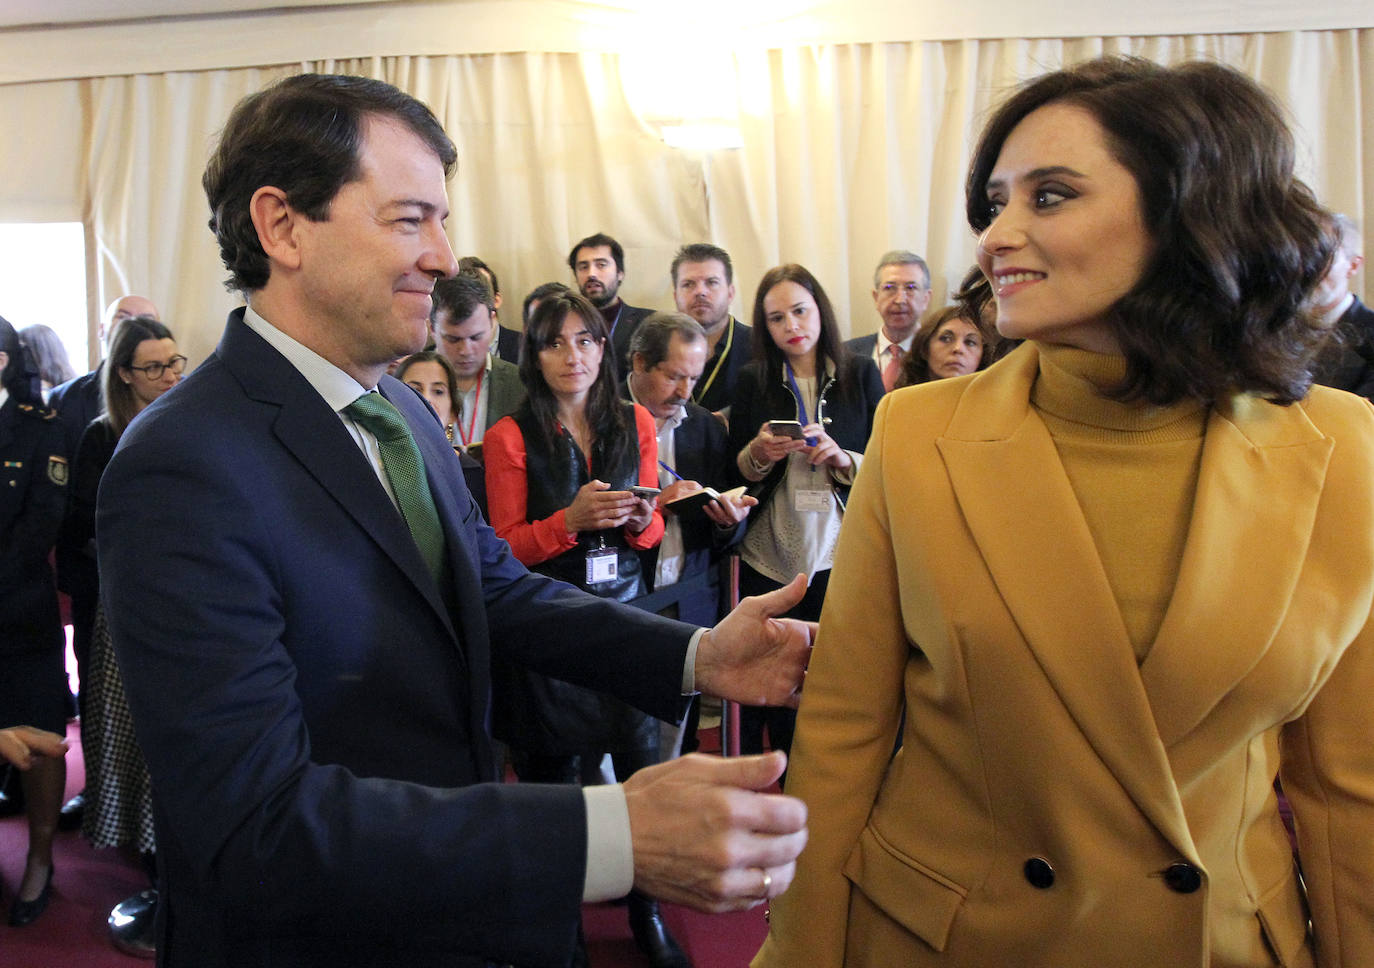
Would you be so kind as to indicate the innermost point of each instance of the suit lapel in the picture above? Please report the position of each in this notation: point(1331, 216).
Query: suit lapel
point(1027, 525)
point(313, 433)
point(1259, 484)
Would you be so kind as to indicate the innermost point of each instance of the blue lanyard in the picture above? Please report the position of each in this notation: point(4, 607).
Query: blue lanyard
point(796, 392)
point(801, 403)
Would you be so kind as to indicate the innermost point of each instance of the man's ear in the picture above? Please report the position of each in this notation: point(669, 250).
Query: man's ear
point(1355, 262)
point(276, 222)
point(637, 363)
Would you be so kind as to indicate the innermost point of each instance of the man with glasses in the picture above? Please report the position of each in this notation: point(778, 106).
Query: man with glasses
point(901, 293)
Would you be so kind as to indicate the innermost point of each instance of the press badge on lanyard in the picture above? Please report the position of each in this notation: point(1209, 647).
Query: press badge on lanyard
point(602, 564)
point(810, 499)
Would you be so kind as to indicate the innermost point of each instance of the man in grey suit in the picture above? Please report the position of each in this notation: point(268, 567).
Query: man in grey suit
point(464, 327)
point(901, 293)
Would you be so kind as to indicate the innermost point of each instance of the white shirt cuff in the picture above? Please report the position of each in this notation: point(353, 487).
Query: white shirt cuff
point(689, 666)
point(610, 851)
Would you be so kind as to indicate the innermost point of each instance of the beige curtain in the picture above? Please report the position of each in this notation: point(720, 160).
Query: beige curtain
point(849, 150)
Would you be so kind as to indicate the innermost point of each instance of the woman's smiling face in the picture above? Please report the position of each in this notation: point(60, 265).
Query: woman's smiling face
point(1068, 237)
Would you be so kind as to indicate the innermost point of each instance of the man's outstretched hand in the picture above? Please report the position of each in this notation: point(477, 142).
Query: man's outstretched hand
point(752, 657)
point(705, 837)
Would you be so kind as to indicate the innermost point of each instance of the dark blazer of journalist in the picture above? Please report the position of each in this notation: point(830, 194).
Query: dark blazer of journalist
point(333, 717)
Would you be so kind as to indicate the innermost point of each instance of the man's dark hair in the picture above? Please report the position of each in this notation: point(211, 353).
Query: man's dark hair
point(538, 294)
point(473, 262)
point(1239, 243)
point(595, 242)
point(652, 337)
point(301, 135)
point(702, 252)
point(460, 295)
point(9, 345)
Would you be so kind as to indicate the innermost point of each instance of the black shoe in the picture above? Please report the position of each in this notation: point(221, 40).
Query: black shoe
point(27, 912)
point(651, 934)
point(133, 925)
point(72, 811)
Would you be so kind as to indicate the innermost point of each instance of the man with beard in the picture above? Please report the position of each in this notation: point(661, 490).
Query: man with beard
point(703, 288)
point(901, 293)
point(598, 266)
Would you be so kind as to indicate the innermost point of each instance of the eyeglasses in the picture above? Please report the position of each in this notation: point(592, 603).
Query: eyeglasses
point(154, 371)
point(911, 288)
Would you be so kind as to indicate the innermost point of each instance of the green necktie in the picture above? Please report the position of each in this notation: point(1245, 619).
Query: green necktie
point(405, 469)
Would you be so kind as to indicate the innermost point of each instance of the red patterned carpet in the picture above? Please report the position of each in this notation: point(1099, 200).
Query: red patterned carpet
point(87, 883)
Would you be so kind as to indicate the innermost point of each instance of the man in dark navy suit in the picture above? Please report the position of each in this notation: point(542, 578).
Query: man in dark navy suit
point(306, 628)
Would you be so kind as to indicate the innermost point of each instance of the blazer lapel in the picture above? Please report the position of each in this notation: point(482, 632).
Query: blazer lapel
point(315, 436)
point(1027, 525)
point(1261, 477)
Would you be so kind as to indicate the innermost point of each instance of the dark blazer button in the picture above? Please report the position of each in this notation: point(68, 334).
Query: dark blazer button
point(1039, 873)
point(1183, 878)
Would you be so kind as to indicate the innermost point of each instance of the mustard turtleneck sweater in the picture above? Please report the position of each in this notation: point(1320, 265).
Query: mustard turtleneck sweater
point(1134, 469)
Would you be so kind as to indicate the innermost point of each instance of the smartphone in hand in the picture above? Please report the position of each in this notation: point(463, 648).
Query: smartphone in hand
point(785, 428)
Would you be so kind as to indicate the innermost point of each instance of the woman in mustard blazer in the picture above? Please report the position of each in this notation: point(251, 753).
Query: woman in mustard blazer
point(1111, 587)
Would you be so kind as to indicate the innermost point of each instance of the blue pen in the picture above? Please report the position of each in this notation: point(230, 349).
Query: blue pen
point(676, 475)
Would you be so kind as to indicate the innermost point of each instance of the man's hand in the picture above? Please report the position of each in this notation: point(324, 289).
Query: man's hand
point(675, 490)
point(754, 658)
point(23, 745)
point(704, 837)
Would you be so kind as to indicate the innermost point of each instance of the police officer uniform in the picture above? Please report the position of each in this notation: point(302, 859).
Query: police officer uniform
point(33, 497)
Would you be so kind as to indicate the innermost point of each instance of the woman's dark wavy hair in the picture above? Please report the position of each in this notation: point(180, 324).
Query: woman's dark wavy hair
point(611, 427)
point(829, 348)
point(1239, 242)
point(303, 135)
